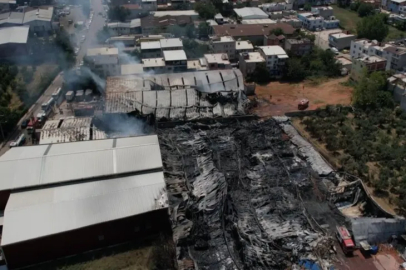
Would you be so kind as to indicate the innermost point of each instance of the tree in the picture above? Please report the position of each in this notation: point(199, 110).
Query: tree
point(365, 9)
point(118, 13)
point(307, 7)
point(205, 9)
point(260, 75)
point(354, 6)
point(295, 71)
point(277, 31)
point(194, 49)
point(204, 30)
point(66, 55)
point(372, 27)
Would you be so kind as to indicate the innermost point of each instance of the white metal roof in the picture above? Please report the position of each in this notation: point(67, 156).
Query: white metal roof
point(15, 34)
point(272, 50)
point(175, 13)
point(171, 42)
point(258, 21)
point(150, 45)
point(251, 13)
point(175, 55)
point(42, 212)
point(30, 166)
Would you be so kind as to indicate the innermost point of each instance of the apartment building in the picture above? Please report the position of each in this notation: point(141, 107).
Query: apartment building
point(175, 61)
point(369, 63)
point(325, 12)
point(275, 59)
point(249, 61)
point(225, 45)
point(331, 23)
point(103, 61)
point(394, 53)
point(271, 7)
point(217, 61)
point(395, 5)
point(311, 21)
point(154, 49)
point(340, 40)
point(243, 46)
point(299, 47)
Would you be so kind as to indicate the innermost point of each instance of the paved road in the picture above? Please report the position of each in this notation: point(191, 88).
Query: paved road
point(91, 41)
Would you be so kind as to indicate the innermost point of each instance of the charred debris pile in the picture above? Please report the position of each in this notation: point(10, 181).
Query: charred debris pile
point(243, 197)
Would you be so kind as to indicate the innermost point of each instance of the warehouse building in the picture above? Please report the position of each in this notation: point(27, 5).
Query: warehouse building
point(75, 197)
point(14, 41)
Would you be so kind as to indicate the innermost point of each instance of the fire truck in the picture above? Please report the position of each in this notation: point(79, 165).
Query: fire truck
point(345, 240)
point(303, 104)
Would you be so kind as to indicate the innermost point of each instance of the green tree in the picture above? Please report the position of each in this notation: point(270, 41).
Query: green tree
point(205, 9)
point(204, 29)
point(354, 6)
point(295, 70)
point(307, 7)
point(194, 49)
point(371, 91)
point(66, 55)
point(372, 27)
point(118, 13)
point(260, 75)
point(277, 31)
point(365, 9)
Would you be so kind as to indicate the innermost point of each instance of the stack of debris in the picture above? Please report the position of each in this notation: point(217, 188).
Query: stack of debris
point(235, 194)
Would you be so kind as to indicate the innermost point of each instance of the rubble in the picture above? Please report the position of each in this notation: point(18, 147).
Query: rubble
point(242, 196)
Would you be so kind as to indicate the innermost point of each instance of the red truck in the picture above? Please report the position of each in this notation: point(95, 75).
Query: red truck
point(33, 124)
point(345, 240)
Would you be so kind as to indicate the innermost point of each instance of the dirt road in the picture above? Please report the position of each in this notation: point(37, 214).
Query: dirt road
point(279, 98)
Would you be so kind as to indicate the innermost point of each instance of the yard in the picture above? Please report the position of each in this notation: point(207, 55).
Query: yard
point(278, 98)
point(348, 20)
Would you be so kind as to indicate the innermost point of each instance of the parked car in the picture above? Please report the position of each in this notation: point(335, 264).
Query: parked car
point(24, 124)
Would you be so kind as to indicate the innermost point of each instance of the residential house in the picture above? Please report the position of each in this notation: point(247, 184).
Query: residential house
point(154, 65)
point(299, 47)
point(394, 53)
point(223, 45)
point(149, 5)
point(293, 21)
point(340, 40)
point(175, 61)
point(397, 84)
point(272, 39)
point(394, 5)
point(249, 61)
point(136, 11)
point(271, 7)
point(243, 46)
point(103, 61)
point(249, 13)
point(322, 11)
point(217, 61)
point(155, 49)
point(275, 59)
point(369, 63)
point(276, 15)
point(218, 18)
point(152, 24)
point(124, 28)
point(331, 23)
point(310, 21)
point(252, 32)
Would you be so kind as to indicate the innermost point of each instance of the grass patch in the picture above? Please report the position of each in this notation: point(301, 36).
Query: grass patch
point(349, 19)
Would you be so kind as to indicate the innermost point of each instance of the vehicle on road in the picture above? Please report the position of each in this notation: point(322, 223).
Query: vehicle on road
point(33, 124)
point(24, 124)
point(20, 141)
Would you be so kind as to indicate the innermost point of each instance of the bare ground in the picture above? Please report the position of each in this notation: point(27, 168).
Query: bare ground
point(278, 98)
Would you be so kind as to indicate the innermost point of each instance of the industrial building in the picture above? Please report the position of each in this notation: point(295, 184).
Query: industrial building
point(250, 13)
point(14, 41)
point(75, 197)
point(179, 96)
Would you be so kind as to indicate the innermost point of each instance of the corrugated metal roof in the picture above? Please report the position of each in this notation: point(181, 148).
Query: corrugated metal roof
point(176, 55)
point(16, 34)
point(49, 164)
point(38, 213)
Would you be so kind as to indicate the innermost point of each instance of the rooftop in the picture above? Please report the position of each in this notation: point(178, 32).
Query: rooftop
point(15, 34)
point(171, 42)
point(299, 41)
point(131, 6)
point(153, 62)
point(371, 59)
point(272, 50)
point(341, 35)
point(258, 21)
point(219, 58)
point(66, 162)
point(175, 13)
point(28, 14)
point(102, 51)
point(43, 212)
point(246, 30)
point(254, 57)
point(177, 55)
point(243, 45)
point(164, 21)
point(132, 69)
point(131, 24)
point(150, 45)
point(250, 12)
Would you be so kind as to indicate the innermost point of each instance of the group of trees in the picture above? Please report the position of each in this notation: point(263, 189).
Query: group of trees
point(207, 9)
point(319, 63)
point(371, 91)
point(118, 13)
point(373, 27)
point(363, 9)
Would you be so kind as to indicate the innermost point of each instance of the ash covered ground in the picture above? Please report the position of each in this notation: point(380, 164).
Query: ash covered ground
point(242, 197)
